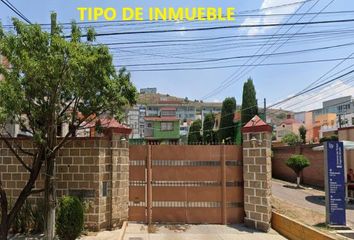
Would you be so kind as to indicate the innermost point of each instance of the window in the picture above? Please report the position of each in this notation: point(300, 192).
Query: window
point(104, 189)
point(166, 126)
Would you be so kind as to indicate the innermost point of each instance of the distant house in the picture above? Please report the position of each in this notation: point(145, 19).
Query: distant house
point(289, 125)
point(325, 125)
point(164, 128)
point(100, 127)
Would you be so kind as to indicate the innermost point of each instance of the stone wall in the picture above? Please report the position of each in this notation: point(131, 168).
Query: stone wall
point(95, 169)
point(257, 180)
point(257, 174)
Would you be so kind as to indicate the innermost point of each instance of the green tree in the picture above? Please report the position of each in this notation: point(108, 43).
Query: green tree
point(53, 81)
point(208, 126)
point(194, 135)
point(249, 106)
point(297, 163)
point(227, 126)
point(291, 139)
point(302, 133)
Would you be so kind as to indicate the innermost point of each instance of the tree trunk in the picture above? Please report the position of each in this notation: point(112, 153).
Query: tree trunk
point(298, 181)
point(4, 226)
point(50, 200)
point(50, 188)
point(4, 229)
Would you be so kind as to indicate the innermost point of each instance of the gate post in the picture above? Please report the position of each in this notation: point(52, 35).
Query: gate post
point(149, 182)
point(257, 173)
point(223, 185)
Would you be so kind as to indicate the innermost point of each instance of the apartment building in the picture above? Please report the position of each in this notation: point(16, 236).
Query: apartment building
point(164, 128)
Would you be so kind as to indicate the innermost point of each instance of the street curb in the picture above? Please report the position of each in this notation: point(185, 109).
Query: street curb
point(295, 230)
point(124, 227)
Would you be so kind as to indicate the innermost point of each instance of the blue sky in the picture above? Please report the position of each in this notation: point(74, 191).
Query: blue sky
point(272, 82)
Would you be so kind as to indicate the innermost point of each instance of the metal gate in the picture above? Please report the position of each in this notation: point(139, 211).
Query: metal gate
point(186, 184)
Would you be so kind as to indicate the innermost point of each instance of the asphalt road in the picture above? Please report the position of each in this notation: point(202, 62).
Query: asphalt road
point(307, 198)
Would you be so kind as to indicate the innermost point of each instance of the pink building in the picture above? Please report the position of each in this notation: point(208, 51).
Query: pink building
point(289, 125)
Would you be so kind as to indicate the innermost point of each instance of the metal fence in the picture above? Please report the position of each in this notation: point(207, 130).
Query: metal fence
point(186, 184)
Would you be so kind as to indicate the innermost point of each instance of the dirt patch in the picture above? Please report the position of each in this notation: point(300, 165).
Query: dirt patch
point(303, 215)
point(178, 228)
point(152, 228)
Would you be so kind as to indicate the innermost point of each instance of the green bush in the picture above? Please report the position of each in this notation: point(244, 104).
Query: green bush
point(297, 163)
point(291, 139)
point(331, 138)
point(70, 218)
point(23, 222)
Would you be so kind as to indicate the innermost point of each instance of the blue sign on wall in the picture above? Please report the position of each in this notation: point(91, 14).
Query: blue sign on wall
point(335, 183)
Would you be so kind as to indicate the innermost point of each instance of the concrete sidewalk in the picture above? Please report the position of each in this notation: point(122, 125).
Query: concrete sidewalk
point(105, 235)
point(136, 231)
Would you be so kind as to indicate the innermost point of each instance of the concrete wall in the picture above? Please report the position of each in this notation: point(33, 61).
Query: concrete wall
point(85, 166)
point(295, 230)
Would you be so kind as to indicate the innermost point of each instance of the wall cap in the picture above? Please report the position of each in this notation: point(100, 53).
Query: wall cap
point(256, 124)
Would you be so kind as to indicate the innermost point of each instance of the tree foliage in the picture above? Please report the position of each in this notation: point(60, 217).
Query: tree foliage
point(331, 138)
point(227, 126)
point(297, 163)
point(302, 133)
point(53, 81)
point(194, 135)
point(208, 126)
point(249, 106)
point(291, 139)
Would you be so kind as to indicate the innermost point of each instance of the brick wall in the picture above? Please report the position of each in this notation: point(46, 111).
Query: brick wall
point(312, 175)
point(91, 168)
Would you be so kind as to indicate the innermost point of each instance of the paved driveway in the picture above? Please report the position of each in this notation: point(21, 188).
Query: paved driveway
point(307, 198)
point(197, 232)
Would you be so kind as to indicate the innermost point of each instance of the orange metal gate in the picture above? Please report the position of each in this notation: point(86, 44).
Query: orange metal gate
point(186, 184)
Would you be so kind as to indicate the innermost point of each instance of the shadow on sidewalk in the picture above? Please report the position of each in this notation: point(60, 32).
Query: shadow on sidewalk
point(320, 200)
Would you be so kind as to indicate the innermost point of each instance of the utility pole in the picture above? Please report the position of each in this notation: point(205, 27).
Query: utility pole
point(50, 197)
point(265, 109)
point(340, 120)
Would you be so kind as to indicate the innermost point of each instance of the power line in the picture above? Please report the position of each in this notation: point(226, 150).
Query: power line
point(239, 57)
point(230, 82)
point(148, 21)
point(222, 27)
point(238, 65)
point(16, 11)
point(232, 76)
point(217, 38)
point(203, 49)
point(329, 77)
point(313, 88)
